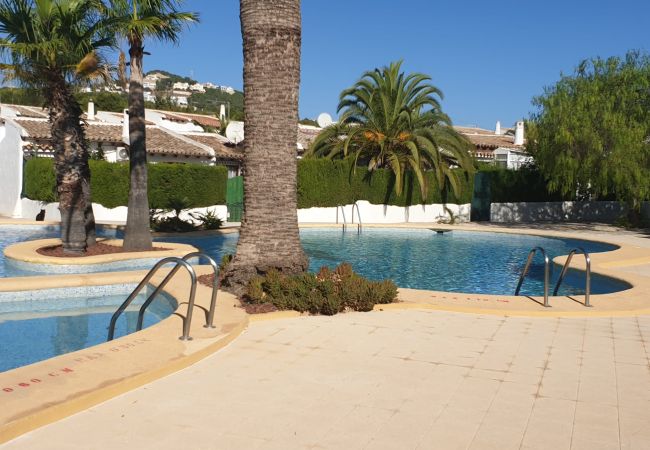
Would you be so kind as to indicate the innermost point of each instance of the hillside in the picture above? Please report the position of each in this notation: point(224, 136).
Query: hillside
point(206, 103)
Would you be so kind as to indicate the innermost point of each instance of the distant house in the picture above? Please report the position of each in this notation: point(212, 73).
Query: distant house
point(180, 86)
point(25, 133)
point(198, 87)
point(227, 89)
point(503, 147)
point(180, 98)
point(149, 96)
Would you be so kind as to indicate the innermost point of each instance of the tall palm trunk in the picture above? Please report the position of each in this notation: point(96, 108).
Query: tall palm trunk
point(269, 236)
point(71, 167)
point(137, 235)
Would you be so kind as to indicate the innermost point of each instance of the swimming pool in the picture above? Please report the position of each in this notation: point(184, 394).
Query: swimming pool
point(38, 325)
point(458, 261)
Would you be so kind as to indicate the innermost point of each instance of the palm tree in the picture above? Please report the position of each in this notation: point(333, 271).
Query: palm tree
point(137, 20)
point(51, 45)
point(393, 120)
point(269, 235)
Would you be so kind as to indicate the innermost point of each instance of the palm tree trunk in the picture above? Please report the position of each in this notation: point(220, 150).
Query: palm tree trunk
point(137, 235)
point(269, 235)
point(72, 170)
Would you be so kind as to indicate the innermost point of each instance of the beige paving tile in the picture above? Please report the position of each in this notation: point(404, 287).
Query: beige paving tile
point(391, 380)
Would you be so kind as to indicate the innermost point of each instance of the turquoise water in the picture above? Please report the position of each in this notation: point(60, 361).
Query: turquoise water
point(57, 326)
point(459, 261)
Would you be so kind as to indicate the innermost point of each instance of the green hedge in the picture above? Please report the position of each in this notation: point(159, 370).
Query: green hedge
point(201, 185)
point(523, 185)
point(322, 182)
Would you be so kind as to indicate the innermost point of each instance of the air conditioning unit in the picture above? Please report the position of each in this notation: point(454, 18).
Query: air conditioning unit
point(122, 153)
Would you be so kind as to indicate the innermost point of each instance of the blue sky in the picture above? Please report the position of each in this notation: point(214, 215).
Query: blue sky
point(488, 57)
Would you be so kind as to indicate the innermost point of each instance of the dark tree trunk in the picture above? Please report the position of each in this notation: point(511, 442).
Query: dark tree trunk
point(71, 167)
point(269, 236)
point(137, 235)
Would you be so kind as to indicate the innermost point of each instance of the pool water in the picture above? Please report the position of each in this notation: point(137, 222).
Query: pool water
point(458, 261)
point(32, 331)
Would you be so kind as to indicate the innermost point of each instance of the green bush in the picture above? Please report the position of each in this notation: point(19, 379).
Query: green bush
point(40, 180)
point(201, 185)
point(524, 185)
point(328, 292)
point(323, 182)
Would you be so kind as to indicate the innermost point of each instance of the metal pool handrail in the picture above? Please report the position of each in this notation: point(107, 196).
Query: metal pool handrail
point(345, 222)
point(531, 254)
point(145, 280)
point(355, 205)
point(565, 269)
point(209, 318)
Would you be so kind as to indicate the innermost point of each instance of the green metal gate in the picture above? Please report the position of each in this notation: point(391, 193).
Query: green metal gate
point(481, 198)
point(235, 198)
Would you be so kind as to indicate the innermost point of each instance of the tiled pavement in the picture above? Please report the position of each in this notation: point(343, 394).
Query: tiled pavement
point(391, 380)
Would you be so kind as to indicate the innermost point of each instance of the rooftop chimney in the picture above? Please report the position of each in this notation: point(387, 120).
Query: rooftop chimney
point(519, 133)
point(222, 112)
point(91, 110)
point(497, 130)
point(125, 128)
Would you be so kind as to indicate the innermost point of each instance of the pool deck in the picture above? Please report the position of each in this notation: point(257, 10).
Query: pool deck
point(484, 371)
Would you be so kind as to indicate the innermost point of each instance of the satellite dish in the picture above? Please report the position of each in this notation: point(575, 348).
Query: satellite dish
point(235, 132)
point(324, 120)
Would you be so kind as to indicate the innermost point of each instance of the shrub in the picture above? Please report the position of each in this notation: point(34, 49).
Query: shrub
point(202, 185)
point(209, 220)
point(328, 292)
point(323, 182)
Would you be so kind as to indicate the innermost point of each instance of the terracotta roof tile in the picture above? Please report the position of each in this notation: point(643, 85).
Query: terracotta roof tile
point(29, 111)
point(202, 119)
point(222, 149)
point(164, 143)
point(307, 134)
point(159, 142)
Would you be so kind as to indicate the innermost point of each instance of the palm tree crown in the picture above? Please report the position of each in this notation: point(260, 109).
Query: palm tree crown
point(51, 45)
point(137, 20)
point(394, 120)
point(47, 39)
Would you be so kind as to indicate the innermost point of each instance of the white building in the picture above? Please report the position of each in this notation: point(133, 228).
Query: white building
point(149, 96)
point(25, 133)
point(180, 98)
point(198, 87)
point(180, 86)
point(503, 147)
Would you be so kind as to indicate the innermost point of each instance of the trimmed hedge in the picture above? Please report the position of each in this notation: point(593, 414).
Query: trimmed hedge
point(323, 182)
point(523, 185)
point(201, 185)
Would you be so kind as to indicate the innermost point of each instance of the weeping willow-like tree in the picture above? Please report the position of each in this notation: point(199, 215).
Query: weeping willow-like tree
point(590, 135)
point(393, 120)
point(53, 45)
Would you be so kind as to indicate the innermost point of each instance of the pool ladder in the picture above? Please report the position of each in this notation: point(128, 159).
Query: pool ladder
point(178, 263)
point(565, 268)
point(355, 207)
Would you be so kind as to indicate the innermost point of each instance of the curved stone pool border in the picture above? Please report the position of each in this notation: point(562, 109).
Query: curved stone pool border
point(44, 392)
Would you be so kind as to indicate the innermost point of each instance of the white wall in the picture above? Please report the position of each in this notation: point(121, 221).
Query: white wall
point(11, 169)
point(369, 213)
point(30, 208)
point(386, 214)
point(606, 212)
